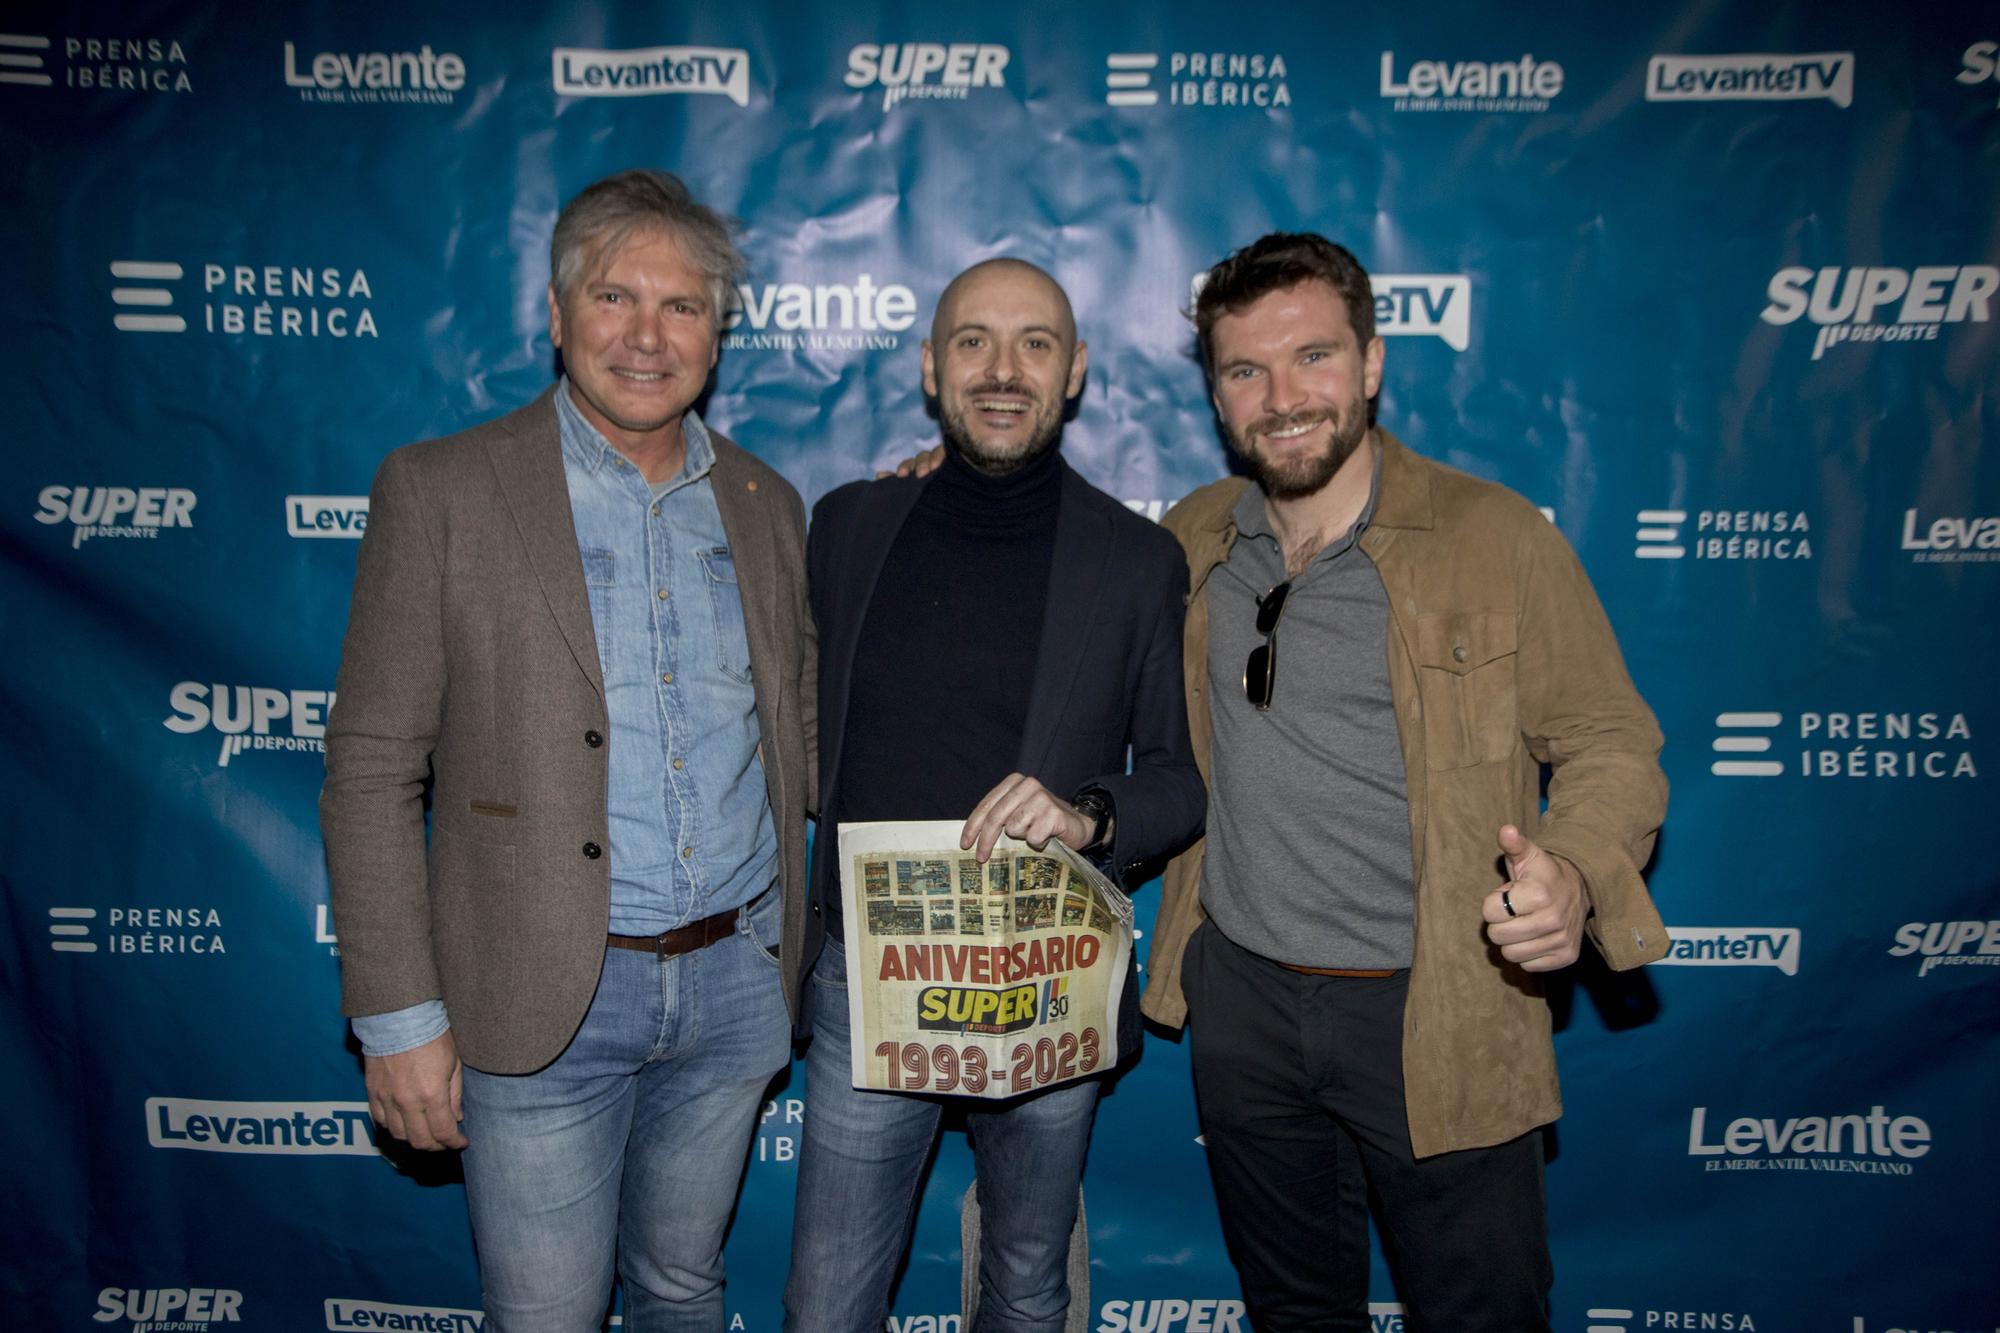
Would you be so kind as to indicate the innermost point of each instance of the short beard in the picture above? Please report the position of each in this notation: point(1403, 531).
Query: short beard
point(1304, 477)
point(956, 434)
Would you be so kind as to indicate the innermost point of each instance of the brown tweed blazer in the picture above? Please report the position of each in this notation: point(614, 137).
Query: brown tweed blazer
point(470, 675)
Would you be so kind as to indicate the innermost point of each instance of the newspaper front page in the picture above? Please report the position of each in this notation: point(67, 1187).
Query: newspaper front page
point(978, 980)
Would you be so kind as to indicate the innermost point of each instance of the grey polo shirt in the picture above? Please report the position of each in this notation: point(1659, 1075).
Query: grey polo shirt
point(1308, 855)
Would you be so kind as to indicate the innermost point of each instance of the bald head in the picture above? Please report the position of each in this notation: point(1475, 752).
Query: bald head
point(1002, 362)
point(1012, 277)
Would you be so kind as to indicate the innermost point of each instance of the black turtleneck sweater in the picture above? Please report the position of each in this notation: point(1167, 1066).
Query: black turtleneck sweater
point(947, 654)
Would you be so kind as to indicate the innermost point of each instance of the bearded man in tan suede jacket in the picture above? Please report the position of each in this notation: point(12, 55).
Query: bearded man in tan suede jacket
point(1381, 653)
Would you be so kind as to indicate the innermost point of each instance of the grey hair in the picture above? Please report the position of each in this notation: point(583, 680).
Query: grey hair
point(604, 215)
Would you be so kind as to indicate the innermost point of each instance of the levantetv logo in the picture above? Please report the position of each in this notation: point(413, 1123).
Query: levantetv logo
point(1409, 305)
point(347, 1314)
point(1850, 305)
point(649, 71)
point(326, 515)
point(1733, 946)
point(1875, 1144)
point(283, 1128)
point(1752, 78)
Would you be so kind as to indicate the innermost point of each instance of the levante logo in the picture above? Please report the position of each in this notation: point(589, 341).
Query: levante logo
point(359, 78)
point(792, 316)
point(1876, 1144)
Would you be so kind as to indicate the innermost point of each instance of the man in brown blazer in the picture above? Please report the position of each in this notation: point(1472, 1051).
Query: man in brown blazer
point(579, 634)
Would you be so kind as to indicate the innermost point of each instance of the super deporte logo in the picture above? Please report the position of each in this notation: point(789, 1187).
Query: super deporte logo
point(115, 511)
point(926, 71)
point(1938, 944)
point(251, 717)
point(159, 1309)
point(1878, 304)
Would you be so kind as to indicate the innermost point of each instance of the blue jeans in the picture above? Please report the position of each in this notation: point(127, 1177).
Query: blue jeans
point(860, 1167)
point(632, 1143)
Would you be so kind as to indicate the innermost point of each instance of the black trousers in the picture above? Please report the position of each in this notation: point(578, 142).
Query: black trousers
point(1299, 1084)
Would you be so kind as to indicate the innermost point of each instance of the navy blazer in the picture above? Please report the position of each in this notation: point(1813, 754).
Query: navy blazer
point(1108, 674)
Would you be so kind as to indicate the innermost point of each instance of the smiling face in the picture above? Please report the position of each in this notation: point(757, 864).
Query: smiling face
point(638, 336)
point(1292, 384)
point(1002, 360)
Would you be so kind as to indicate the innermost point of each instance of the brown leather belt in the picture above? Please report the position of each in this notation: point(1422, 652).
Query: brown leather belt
point(683, 939)
point(1371, 973)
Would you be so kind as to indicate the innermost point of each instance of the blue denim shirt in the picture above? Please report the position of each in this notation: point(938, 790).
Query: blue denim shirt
point(691, 832)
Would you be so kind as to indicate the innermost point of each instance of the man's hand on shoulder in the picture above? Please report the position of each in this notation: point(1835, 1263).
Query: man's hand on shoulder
point(1536, 917)
point(918, 465)
point(417, 1094)
point(1023, 808)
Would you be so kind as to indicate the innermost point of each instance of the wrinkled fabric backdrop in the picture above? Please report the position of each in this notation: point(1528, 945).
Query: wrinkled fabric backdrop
point(1713, 283)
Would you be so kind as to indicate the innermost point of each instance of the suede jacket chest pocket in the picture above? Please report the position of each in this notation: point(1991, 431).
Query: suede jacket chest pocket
point(1466, 675)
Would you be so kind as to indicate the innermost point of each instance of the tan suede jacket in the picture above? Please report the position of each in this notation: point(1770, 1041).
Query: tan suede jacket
point(1500, 660)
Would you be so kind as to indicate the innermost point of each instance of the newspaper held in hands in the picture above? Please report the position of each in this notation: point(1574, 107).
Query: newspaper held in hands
point(978, 980)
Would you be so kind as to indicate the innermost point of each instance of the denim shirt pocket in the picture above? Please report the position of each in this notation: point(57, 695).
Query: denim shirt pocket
point(732, 643)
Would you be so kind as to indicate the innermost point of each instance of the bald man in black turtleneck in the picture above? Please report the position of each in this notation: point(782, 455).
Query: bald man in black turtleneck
point(992, 639)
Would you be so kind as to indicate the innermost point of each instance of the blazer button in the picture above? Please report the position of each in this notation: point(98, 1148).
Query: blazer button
point(1459, 654)
point(592, 851)
point(592, 739)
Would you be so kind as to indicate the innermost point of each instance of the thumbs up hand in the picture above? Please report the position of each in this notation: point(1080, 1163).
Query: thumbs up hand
point(1536, 917)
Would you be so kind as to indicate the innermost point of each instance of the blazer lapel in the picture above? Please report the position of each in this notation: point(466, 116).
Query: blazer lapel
point(529, 467)
point(882, 513)
point(1076, 583)
point(756, 558)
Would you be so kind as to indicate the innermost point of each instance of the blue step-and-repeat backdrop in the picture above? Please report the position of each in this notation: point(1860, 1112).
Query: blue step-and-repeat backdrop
point(1713, 283)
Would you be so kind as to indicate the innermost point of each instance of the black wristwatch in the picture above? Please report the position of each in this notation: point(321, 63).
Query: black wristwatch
point(1094, 804)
